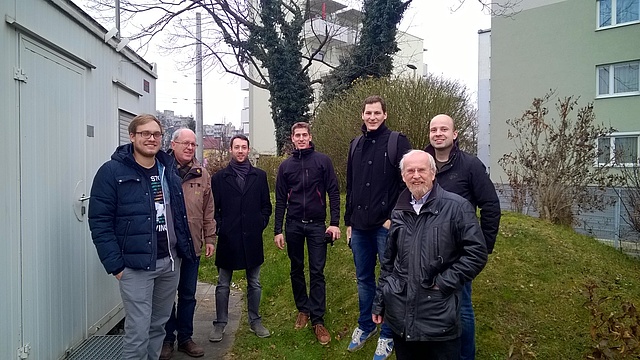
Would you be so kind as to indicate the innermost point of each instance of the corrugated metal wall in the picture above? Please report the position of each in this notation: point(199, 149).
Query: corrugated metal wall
point(62, 90)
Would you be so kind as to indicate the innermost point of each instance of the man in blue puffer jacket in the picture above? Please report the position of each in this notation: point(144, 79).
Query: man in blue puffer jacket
point(139, 226)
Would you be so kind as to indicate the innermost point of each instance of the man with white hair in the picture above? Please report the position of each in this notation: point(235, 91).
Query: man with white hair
point(196, 187)
point(435, 245)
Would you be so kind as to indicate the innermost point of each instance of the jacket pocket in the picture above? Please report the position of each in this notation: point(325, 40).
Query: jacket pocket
point(130, 189)
point(438, 314)
point(394, 295)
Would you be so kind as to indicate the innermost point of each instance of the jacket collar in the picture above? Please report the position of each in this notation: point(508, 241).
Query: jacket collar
point(304, 152)
point(375, 133)
point(404, 199)
point(455, 149)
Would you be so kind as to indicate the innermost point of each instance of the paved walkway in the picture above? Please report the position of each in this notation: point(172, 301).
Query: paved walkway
point(203, 323)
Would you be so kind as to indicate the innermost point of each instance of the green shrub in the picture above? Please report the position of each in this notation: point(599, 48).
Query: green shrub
point(269, 164)
point(411, 103)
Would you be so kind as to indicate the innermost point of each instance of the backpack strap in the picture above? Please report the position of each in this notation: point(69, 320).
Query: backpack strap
point(354, 144)
point(392, 147)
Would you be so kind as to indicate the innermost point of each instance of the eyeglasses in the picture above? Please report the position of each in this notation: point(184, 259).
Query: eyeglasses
point(186, 144)
point(147, 134)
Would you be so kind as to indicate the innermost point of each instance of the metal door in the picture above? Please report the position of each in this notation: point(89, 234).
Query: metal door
point(53, 226)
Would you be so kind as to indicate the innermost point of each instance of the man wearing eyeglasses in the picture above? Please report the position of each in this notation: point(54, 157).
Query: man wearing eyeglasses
point(138, 224)
point(196, 185)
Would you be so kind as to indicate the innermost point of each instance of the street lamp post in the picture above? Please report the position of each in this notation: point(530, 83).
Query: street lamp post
point(414, 68)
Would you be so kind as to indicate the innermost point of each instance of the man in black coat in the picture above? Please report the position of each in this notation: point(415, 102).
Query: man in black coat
point(373, 185)
point(302, 185)
point(464, 174)
point(242, 211)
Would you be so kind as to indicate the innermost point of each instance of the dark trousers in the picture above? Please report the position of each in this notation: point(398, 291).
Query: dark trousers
point(181, 320)
point(314, 302)
point(426, 350)
point(468, 323)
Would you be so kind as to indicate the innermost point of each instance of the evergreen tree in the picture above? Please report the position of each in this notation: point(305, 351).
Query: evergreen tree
point(372, 55)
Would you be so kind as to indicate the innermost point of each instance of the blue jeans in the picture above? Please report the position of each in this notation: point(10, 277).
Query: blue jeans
point(467, 319)
point(182, 319)
point(313, 302)
point(254, 293)
point(366, 245)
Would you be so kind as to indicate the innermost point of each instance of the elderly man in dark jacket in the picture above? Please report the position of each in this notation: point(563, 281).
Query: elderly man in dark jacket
point(464, 174)
point(435, 245)
point(242, 210)
point(139, 226)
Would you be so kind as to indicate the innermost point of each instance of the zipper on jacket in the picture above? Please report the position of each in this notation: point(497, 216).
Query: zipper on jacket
point(164, 199)
point(384, 167)
point(305, 175)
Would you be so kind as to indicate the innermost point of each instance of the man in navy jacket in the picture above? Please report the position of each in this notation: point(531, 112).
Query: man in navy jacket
point(139, 226)
point(464, 174)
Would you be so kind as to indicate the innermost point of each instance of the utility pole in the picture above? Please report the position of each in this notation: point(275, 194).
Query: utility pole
point(199, 132)
point(118, 18)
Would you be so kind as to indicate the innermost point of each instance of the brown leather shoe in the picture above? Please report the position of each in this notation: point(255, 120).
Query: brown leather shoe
point(301, 321)
point(167, 351)
point(322, 334)
point(191, 348)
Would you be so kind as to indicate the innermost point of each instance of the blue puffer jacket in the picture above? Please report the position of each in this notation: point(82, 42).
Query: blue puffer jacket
point(122, 213)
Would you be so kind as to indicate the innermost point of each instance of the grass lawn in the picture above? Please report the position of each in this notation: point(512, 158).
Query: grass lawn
point(528, 300)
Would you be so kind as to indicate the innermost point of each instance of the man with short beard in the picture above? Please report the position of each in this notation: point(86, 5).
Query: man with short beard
point(435, 245)
point(242, 211)
point(139, 226)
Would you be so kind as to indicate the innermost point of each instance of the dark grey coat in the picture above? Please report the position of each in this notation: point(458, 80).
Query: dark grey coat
point(443, 246)
point(241, 216)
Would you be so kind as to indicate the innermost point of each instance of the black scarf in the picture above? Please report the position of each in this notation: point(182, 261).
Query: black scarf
point(241, 169)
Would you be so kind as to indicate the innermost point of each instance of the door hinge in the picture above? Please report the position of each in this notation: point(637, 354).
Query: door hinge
point(19, 75)
point(23, 352)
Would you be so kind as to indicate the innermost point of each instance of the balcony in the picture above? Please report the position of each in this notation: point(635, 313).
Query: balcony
point(320, 29)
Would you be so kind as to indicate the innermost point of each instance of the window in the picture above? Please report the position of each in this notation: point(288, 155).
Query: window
point(618, 79)
point(619, 148)
point(615, 12)
point(124, 118)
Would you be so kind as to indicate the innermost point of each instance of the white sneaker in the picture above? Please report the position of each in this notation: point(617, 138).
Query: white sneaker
point(384, 349)
point(359, 337)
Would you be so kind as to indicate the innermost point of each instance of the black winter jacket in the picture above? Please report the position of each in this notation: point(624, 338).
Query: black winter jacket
point(241, 216)
point(122, 213)
point(464, 174)
point(373, 181)
point(441, 246)
point(302, 185)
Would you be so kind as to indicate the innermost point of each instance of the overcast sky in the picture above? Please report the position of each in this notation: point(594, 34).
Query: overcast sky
point(451, 40)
